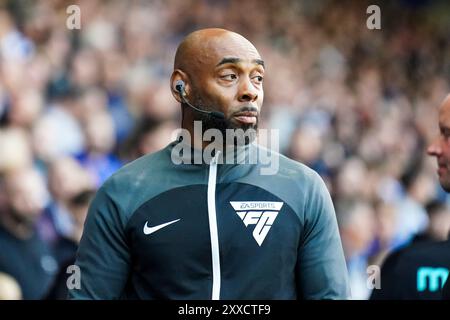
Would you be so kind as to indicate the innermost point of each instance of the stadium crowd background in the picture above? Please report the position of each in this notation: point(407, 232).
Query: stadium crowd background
point(359, 106)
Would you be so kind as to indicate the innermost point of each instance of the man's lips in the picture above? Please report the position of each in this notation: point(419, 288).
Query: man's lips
point(247, 117)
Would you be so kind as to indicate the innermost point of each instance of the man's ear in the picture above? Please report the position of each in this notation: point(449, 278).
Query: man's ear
point(177, 74)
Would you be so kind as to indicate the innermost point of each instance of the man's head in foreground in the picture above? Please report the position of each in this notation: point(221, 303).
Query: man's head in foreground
point(440, 148)
point(222, 71)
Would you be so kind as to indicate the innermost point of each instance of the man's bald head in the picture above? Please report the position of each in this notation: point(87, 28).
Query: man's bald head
point(440, 147)
point(222, 72)
point(204, 47)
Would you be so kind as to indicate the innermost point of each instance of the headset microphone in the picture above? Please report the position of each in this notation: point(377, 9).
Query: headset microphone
point(179, 86)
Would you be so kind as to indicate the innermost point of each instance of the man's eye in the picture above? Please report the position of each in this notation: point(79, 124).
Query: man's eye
point(229, 77)
point(445, 133)
point(258, 79)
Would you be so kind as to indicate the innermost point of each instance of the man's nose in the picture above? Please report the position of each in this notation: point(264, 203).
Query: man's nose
point(434, 148)
point(247, 91)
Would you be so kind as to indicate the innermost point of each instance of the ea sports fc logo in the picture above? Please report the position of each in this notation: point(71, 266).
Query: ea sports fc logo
point(260, 213)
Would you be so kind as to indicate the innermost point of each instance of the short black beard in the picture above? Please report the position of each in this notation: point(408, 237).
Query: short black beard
point(211, 122)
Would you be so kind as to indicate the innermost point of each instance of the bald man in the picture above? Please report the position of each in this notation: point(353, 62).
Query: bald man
point(169, 227)
point(440, 149)
point(419, 271)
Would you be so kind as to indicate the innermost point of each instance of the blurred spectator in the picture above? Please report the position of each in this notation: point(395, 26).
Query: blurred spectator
point(98, 158)
point(66, 247)
point(385, 238)
point(13, 44)
point(438, 225)
point(306, 147)
point(15, 149)
point(24, 255)
point(9, 288)
point(26, 108)
point(412, 217)
point(148, 136)
point(66, 180)
point(58, 132)
point(357, 227)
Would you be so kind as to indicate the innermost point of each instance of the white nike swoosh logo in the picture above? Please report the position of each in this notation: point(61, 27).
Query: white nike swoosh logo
point(149, 230)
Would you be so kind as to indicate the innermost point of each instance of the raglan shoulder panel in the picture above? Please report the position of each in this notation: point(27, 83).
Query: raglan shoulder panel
point(147, 177)
point(293, 182)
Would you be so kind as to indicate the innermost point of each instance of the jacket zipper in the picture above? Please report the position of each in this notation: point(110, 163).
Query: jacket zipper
point(213, 227)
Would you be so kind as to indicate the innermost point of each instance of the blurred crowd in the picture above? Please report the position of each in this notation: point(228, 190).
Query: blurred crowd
point(359, 106)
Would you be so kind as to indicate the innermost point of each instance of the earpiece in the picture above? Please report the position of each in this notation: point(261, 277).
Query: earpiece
point(179, 86)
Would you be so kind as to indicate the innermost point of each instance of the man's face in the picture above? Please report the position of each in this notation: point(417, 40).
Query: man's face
point(440, 148)
point(26, 194)
point(229, 79)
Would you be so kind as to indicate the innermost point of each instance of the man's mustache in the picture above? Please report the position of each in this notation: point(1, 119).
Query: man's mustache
point(246, 109)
